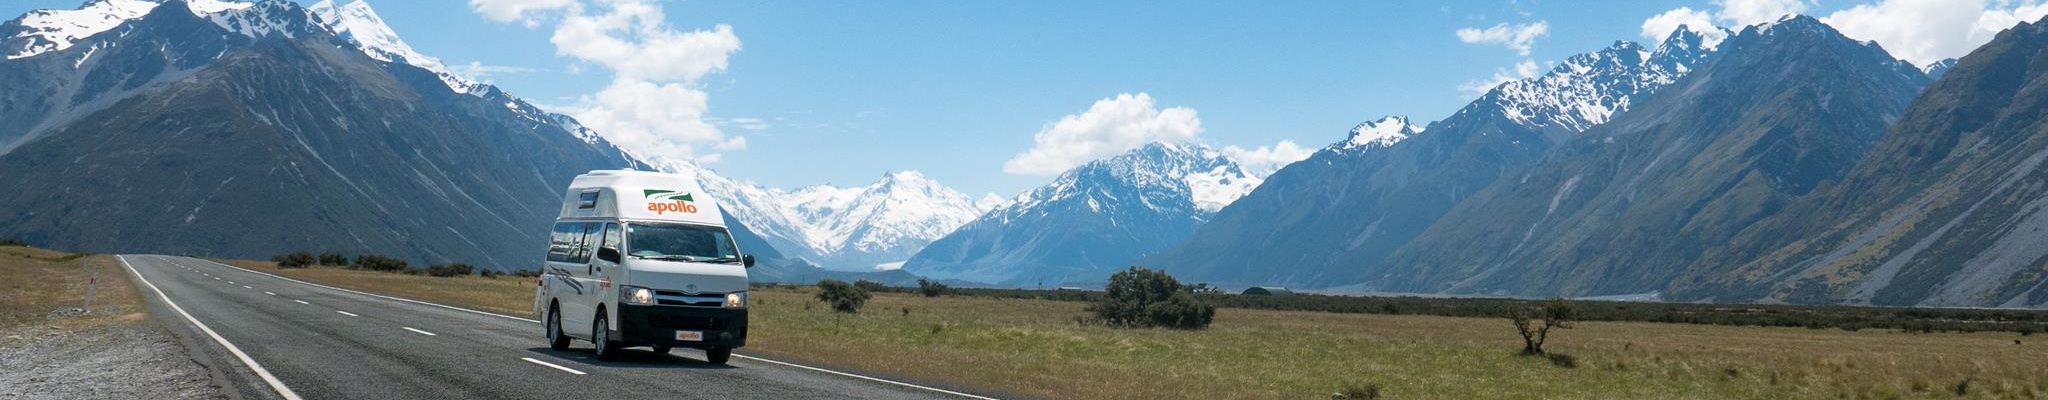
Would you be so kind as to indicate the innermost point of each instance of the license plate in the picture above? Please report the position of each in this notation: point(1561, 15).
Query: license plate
point(690, 336)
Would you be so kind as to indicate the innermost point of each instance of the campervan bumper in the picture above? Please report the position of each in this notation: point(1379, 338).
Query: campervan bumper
point(658, 325)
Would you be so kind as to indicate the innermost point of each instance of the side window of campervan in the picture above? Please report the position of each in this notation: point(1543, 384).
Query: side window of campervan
point(571, 241)
point(612, 237)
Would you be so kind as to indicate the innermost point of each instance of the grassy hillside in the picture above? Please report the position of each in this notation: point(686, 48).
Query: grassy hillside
point(1034, 347)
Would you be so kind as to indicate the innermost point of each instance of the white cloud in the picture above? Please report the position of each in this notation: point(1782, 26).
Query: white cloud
point(1661, 25)
point(1267, 159)
point(515, 10)
point(1925, 31)
point(663, 120)
point(752, 124)
point(634, 41)
point(1112, 126)
point(1525, 69)
point(654, 105)
point(479, 71)
point(1751, 12)
point(1517, 37)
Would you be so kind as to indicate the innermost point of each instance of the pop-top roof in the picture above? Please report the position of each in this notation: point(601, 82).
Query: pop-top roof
point(641, 195)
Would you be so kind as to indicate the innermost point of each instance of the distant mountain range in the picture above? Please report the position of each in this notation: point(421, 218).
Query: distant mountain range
point(865, 228)
point(1090, 220)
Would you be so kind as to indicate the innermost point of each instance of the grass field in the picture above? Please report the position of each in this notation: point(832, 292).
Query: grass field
point(44, 293)
point(1035, 348)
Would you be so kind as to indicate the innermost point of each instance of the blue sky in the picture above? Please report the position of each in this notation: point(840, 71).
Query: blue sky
point(845, 91)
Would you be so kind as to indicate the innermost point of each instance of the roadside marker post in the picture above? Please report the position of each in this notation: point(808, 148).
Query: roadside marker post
point(89, 284)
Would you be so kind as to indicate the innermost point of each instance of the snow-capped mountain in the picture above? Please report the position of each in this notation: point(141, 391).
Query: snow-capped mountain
point(861, 228)
point(1091, 219)
point(1379, 134)
point(44, 31)
point(1588, 89)
point(1327, 219)
point(1938, 68)
point(360, 25)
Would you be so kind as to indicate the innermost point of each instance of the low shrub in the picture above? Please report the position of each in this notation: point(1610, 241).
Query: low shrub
point(296, 259)
point(844, 297)
point(489, 273)
point(379, 263)
point(1139, 297)
point(870, 286)
point(1369, 391)
point(333, 259)
point(930, 289)
point(450, 270)
point(526, 273)
point(12, 242)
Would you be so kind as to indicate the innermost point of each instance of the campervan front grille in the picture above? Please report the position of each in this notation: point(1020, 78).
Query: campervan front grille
point(674, 298)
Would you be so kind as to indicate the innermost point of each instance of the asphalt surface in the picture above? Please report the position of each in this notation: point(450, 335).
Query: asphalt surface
point(313, 342)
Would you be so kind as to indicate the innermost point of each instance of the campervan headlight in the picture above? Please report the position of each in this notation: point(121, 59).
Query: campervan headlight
point(736, 300)
point(636, 295)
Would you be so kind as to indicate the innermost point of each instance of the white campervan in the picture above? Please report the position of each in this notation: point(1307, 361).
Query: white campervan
point(643, 259)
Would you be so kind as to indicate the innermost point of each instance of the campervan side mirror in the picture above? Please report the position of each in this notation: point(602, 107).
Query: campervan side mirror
point(747, 260)
point(608, 254)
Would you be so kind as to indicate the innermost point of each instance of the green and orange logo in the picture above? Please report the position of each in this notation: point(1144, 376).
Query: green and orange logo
point(667, 201)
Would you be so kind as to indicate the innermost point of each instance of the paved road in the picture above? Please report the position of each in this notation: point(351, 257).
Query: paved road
point(270, 337)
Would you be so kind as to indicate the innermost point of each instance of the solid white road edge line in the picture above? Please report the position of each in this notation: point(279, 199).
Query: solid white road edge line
point(550, 365)
point(247, 287)
point(282, 391)
point(269, 293)
point(805, 367)
point(346, 313)
point(303, 302)
point(418, 331)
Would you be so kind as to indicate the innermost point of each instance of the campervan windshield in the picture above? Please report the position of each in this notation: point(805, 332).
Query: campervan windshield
point(681, 242)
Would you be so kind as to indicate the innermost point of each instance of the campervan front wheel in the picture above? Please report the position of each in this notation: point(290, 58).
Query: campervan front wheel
point(718, 355)
point(600, 335)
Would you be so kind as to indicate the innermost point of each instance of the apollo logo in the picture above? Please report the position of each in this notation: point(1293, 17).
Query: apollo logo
point(667, 201)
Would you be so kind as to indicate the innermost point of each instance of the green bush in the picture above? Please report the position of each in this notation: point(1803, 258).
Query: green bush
point(489, 273)
point(1369, 391)
point(844, 297)
point(379, 263)
point(870, 286)
point(1139, 297)
point(930, 289)
point(450, 270)
point(296, 259)
point(12, 242)
point(333, 259)
point(527, 273)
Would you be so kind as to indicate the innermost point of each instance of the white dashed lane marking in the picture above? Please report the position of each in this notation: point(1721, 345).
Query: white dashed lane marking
point(549, 365)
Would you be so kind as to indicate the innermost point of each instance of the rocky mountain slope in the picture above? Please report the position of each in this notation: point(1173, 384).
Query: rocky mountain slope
point(1945, 211)
point(1782, 110)
point(244, 129)
point(1326, 220)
